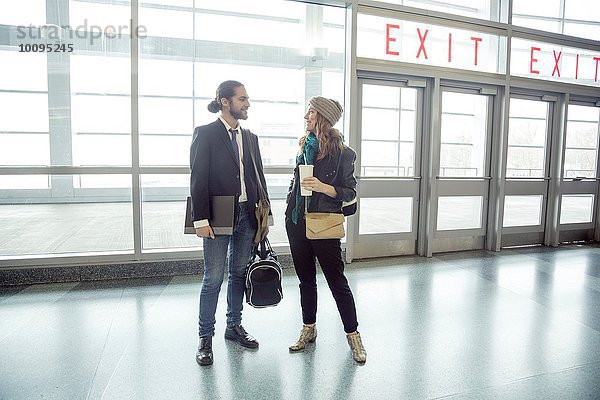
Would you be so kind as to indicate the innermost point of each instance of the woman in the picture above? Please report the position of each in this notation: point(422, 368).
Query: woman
point(333, 181)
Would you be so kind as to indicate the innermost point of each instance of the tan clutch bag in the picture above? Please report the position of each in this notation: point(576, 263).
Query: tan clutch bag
point(324, 225)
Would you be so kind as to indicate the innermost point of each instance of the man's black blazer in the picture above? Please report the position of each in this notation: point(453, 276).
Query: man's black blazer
point(215, 172)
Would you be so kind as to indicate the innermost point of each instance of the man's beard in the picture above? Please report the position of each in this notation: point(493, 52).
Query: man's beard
point(238, 114)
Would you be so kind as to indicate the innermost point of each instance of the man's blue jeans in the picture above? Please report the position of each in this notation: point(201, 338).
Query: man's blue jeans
point(233, 251)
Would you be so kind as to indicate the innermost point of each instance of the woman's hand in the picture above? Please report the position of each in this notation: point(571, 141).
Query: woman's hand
point(314, 184)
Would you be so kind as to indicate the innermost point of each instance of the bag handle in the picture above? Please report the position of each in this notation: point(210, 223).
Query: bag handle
point(262, 194)
point(263, 248)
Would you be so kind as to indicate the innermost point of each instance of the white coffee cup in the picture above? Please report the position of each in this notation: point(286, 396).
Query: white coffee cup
point(306, 171)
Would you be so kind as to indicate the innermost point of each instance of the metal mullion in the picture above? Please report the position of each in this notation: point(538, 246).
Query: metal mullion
point(433, 165)
point(23, 91)
point(398, 151)
point(353, 118)
point(493, 228)
point(135, 134)
point(596, 210)
point(549, 124)
point(60, 170)
point(418, 205)
point(557, 154)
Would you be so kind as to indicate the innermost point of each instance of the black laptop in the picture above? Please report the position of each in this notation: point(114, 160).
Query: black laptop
point(222, 210)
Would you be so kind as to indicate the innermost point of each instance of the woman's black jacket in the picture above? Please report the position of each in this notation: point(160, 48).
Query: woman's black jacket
point(336, 170)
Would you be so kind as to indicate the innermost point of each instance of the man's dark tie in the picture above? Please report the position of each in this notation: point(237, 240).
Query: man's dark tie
point(236, 149)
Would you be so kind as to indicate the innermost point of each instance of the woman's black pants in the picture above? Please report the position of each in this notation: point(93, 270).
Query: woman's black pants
point(305, 252)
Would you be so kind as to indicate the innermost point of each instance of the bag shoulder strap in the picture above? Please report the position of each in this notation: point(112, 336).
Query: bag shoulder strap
point(261, 191)
point(337, 169)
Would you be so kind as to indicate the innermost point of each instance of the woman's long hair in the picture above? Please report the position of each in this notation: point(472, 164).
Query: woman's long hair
point(330, 139)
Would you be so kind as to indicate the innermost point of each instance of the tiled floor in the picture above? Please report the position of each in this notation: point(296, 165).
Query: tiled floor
point(518, 324)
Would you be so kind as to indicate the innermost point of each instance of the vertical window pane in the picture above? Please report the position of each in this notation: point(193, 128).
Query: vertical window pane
point(23, 71)
point(100, 74)
point(581, 153)
point(24, 149)
point(167, 23)
point(576, 208)
point(526, 138)
point(83, 15)
point(100, 86)
point(459, 212)
point(386, 215)
point(582, 10)
point(98, 139)
point(388, 131)
point(163, 212)
point(464, 134)
point(23, 12)
point(522, 210)
point(23, 112)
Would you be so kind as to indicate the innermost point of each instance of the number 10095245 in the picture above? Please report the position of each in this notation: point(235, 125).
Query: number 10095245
point(45, 48)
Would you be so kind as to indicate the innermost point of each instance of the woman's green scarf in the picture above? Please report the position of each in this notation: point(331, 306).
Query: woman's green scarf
point(307, 157)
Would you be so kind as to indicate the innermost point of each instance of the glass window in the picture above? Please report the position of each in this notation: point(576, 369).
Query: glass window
point(100, 74)
point(23, 112)
point(522, 210)
point(459, 212)
point(527, 132)
point(464, 133)
point(386, 215)
point(167, 23)
point(23, 71)
point(188, 49)
point(24, 149)
point(249, 25)
point(582, 10)
point(84, 15)
point(23, 12)
point(89, 225)
point(570, 17)
point(100, 83)
point(551, 8)
point(163, 212)
point(180, 3)
point(14, 182)
point(482, 9)
point(581, 153)
point(388, 131)
point(166, 78)
point(576, 208)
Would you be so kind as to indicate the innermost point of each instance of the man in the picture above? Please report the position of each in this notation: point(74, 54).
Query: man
point(221, 164)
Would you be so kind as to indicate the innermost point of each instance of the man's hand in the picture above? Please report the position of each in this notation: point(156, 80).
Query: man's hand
point(205, 232)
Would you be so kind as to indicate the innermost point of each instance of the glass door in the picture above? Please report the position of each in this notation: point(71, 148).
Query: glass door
point(579, 187)
point(463, 173)
point(388, 167)
point(527, 169)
